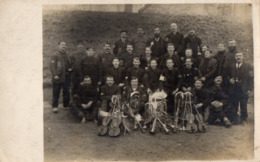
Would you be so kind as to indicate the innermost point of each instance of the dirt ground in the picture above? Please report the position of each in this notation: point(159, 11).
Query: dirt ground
point(66, 139)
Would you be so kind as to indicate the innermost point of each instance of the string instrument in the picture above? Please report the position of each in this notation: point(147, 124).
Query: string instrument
point(178, 99)
point(201, 125)
point(104, 128)
point(116, 118)
point(191, 126)
point(131, 112)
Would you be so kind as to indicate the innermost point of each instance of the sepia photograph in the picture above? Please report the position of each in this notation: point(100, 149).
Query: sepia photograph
point(148, 82)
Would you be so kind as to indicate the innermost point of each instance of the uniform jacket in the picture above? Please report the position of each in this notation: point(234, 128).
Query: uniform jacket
point(107, 92)
point(172, 79)
point(219, 94)
point(127, 59)
point(88, 93)
point(176, 60)
point(188, 76)
point(91, 66)
point(151, 78)
point(201, 96)
point(208, 68)
point(76, 59)
point(177, 41)
point(59, 65)
point(220, 57)
point(139, 45)
point(145, 62)
point(106, 62)
point(135, 72)
point(229, 59)
point(118, 74)
point(158, 48)
point(194, 43)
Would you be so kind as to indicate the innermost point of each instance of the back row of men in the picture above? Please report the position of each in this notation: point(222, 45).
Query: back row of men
point(172, 64)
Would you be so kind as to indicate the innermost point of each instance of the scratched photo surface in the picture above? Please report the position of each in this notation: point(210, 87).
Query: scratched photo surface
point(67, 139)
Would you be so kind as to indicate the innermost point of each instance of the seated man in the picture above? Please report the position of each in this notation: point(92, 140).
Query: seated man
point(219, 106)
point(170, 81)
point(136, 96)
point(189, 54)
point(145, 60)
point(117, 72)
point(151, 77)
point(135, 71)
point(189, 75)
point(84, 102)
point(106, 93)
point(201, 99)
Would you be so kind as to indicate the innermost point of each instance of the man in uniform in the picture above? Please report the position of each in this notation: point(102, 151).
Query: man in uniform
point(189, 74)
point(145, 61)
point(126, 59)
point(135, 71)
point(220, 57)
point(176, 38)
point(151, 77)
point(193, 42)
point(106, 59)
point(120, 45)
point(91, 66)
point(76, 60)
point(139, 42)
point(230, 55)
point(241, 85)
point(157, 44)
point(117, 72)
point(60, 67)
point(84, 103)
point(170, 81)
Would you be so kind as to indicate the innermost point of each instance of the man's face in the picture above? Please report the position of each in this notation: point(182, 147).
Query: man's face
point(188, 63)
point(129, 49)
point(198, 85)
point(218, 80)
point(174, 27)
point(232, 45)
point(148, 51)
point(87, 81)
point(169, 64)
point(239, 57)
point(192, 32)
point(207, 54)
point(110, 81)
point(136, 63)
point(134, 83)
point(156, 32)
point(123, 35)
point(204, 48)
point(115, 63)
point(107, 48)
point(140, 31)
point(62, 47)
point(153, 64)
point(170, 49)
point(80, 47)
point(188, 53)
point(221, 47)
point(90, 52)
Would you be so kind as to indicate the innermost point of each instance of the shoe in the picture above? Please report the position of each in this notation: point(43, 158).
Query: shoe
point(65, 108)
point(83, 120)
point(55, 110)
point(227, 123)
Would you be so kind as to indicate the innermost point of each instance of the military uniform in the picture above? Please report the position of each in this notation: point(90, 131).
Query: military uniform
point(59, 65)
point(118, 74)
point(91, 66)
point(188, 75)
point(151, 79)
point(177, 41)
point(158, 48)
point(145, 62)
point(135, 72)
point(176, 60)
point(106, 94)
point(106, 60)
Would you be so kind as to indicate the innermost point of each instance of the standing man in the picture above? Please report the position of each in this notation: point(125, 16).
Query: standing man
point(135, 71)
point(220, 57)
point(126, 59)
point(139, 42)
point(193, 42)
point(241, 85)
point(145, 61)
point(230, 55)
point(157, 44)
point(76, 60)
point(176, 38)
point(120, 45)
point(106, 59)
point(91, 66)
point(60, 67)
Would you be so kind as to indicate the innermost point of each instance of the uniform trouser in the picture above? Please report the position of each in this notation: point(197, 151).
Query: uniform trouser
point(170, 103)
point(75, 84)
point(65, 86)
point(213, 115)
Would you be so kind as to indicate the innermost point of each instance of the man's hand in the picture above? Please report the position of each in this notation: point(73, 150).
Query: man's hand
point(250, 94)
point(56, 77)
point(203, 78)
point(69, 69)
point(121, 84)
point(176, 90)
point(89, 104)
point(198, 105)
point(149, 90)
point(85, 106)
point(152, 43)
point(232, 81)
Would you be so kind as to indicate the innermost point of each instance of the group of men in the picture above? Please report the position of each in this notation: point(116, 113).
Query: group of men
point(219, 82)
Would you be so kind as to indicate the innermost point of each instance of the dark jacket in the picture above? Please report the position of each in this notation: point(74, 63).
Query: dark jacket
point(188, 76)
point(177, 41)
point(59, 65)
point(107, 92)
point(208, 68)
point(172, 79)
point(201, 96)
point(229, 59)
point(118, 74)
point(120, 47)
point(139, 45)
point(194, 43)
point(241, 75)
point(175, 57)
point(88, 93)
point(91, 66)
point(220, 57)
point(145, 62)
point(158, 48)
point(151, 78)
point(135, 72)
point(76, 59)
point(127, 60)
point(219, 94)
point(106, 62)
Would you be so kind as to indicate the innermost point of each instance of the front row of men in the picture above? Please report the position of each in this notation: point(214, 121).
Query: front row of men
point(216, 102)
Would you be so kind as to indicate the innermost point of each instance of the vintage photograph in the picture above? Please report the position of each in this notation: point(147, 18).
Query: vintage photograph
point(148, 82)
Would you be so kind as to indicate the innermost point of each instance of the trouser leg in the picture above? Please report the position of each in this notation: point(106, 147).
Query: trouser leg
point(66, 91)
point(75, 84)
point(243, 108)
point(56, 94)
